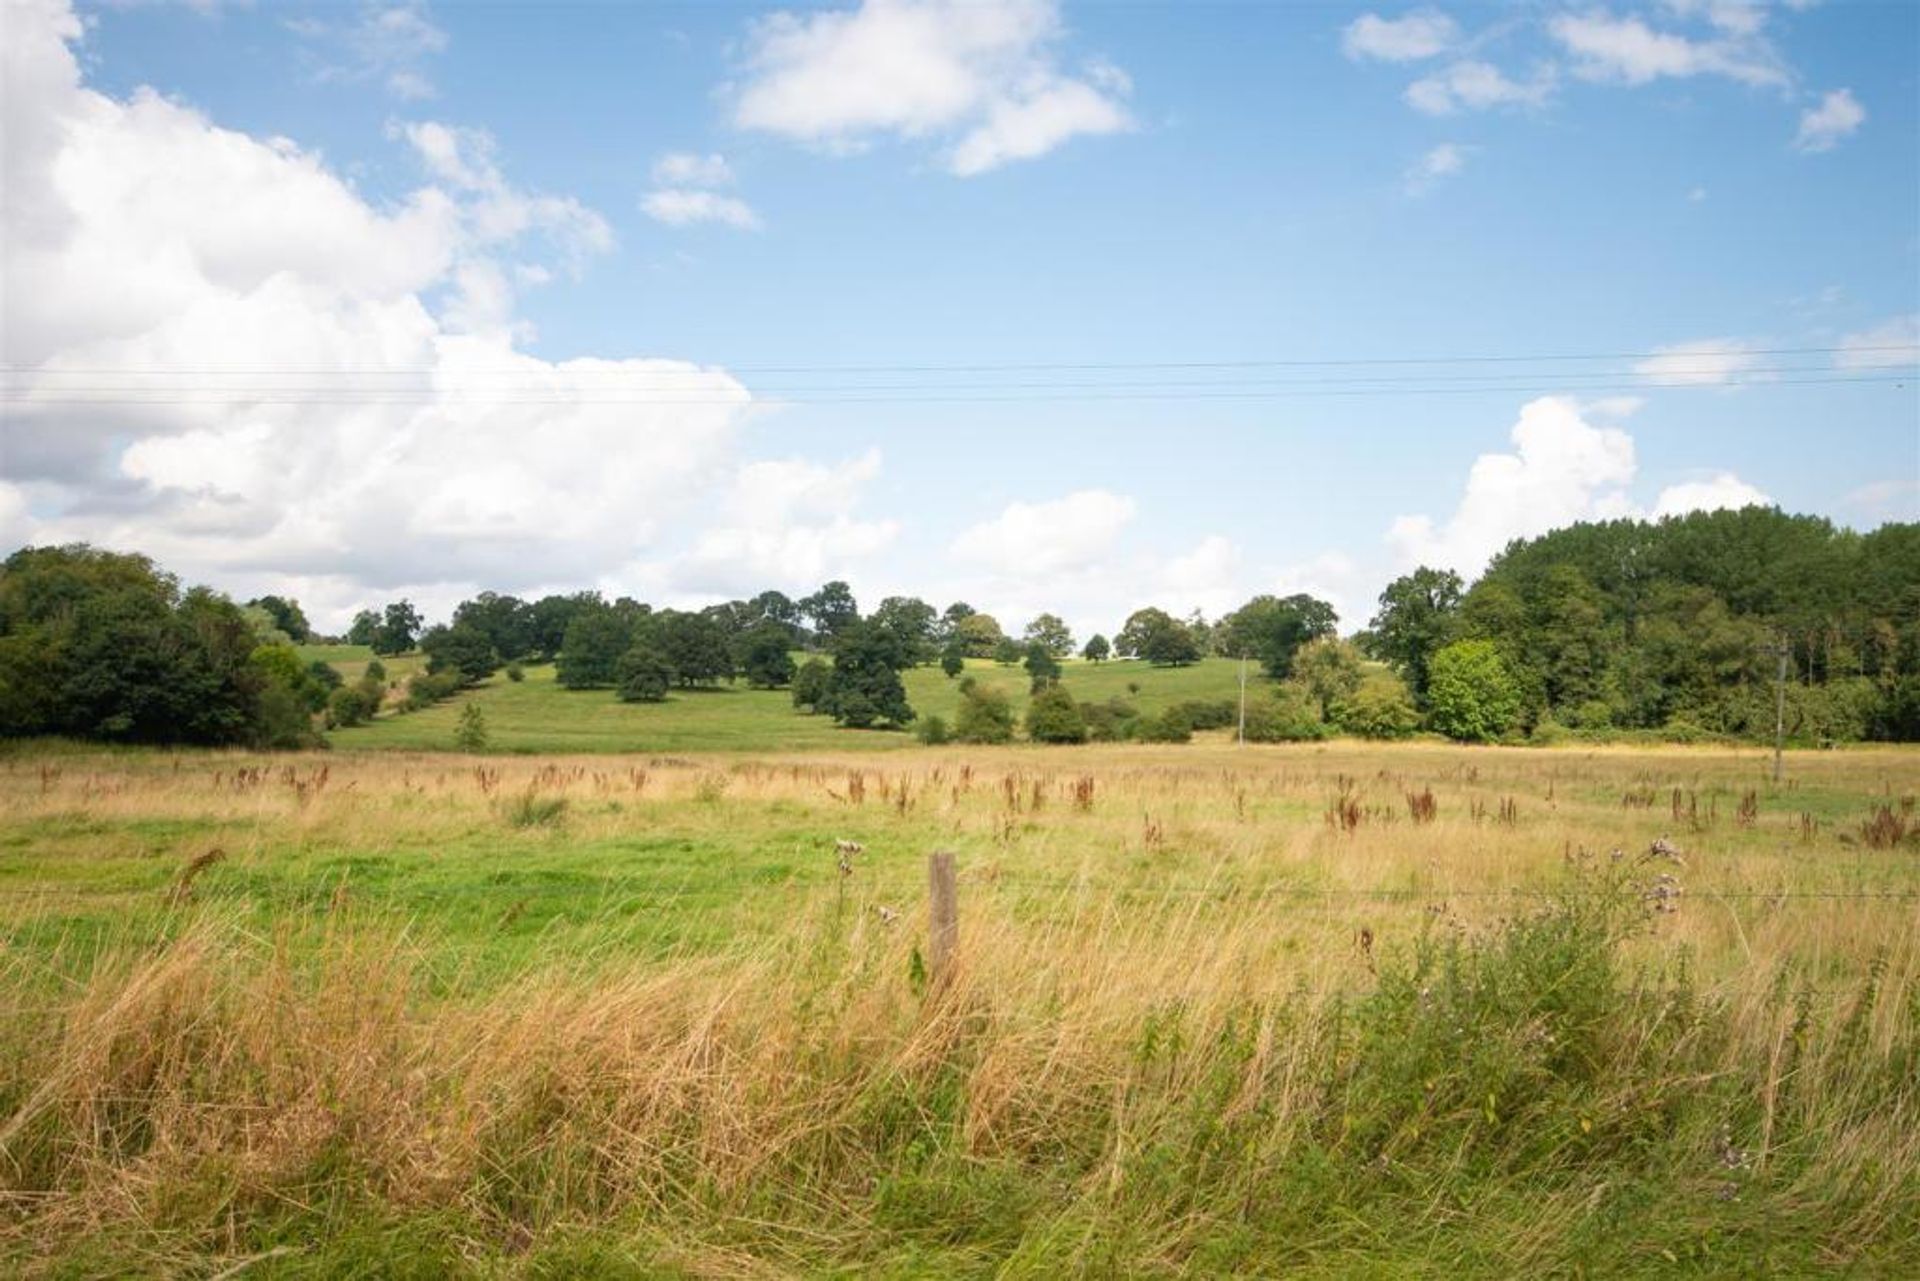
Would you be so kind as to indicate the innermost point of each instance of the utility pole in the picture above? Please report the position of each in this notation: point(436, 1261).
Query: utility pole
point(1779, 705)
point(1243, 700)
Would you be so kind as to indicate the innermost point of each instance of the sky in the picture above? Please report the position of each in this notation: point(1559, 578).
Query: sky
point(1036, 305)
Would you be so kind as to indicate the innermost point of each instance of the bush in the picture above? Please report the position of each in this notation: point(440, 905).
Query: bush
point(471, 734)
point(1109, 722)
point(1471, 695)
point(644, 675)
point(1216, 713)
point(1053, 717)
point(986, 716)
point(934, 731)
point(350, 706)
point(1285, 716)
point(515, 672)
point(424, 689)
point(1168, 727)
point(1381, 708)
point(810, 684)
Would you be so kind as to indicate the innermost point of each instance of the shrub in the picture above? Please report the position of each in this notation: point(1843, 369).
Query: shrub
point(424, 689)
point(986, 716)
point(471, 734)
point(1109, 722)
point(1381, 708)
point(1168, 727)
point(1471, 695)
point(934, 731)
point(1213, 713)
point(810, 684)
point(515, 672)
point(644, 675)
point(1285, 716)
point(1053, 717)
point(350, 706)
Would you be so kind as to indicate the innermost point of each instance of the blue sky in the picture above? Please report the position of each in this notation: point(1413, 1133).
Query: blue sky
point(776, 195)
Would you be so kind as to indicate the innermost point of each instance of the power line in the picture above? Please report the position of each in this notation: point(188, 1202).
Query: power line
point(1066, 366)
point(422, 396)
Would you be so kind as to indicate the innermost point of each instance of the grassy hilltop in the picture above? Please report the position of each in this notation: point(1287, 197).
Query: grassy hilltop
point(537, 715)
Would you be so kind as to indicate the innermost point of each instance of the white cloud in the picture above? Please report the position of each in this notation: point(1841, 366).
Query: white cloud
point(789, 524)
point(1443, 161)
point(978, 75)
point(384, 43)
point(1627, 51)
point(1696, 194)
point(1708, 362)
point(682, 208)
point(1422, 33)
point(1564, 468)
point(1412, 37)
point(1476, 86)
point(1823, 126)
point(689, 169)
point(435, 457)
point(1891, 344)
point(1723, 490)
point(1029, 540)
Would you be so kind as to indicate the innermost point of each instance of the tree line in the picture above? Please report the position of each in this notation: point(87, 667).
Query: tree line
point(1675, 628)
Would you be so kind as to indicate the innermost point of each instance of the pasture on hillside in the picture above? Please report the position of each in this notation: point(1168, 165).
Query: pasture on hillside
point(539, 715)
point(1332, 1008)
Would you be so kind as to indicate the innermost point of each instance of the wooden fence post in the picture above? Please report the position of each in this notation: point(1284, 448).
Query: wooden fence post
point(943, 904)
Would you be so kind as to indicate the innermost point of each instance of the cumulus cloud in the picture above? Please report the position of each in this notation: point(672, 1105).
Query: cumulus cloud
point(229, 359)
point(1823, 126)
point(1423, 33)
point(1029, 540)
point(1564, 467)
point(788, 523)
point(979, 77)
point(1471, 85)
point(1442, 162)
point(1625, 50)
point(678, 207)
point(1892, 344)
point(1708, 362)
point(690, 169)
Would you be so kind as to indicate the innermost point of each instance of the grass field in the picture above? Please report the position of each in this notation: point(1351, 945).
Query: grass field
point(1218, 1011)
point(537, 715)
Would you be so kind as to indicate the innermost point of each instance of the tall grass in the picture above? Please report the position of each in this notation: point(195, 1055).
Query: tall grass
point(1096, 1094)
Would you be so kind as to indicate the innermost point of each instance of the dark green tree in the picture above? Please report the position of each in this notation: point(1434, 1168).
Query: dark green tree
point(643, 675)
point(463, 648)
point(810, 684)
point(1097, 649)
point(1417, 616)
point(1053, 717)
point(287, 616)
point(398, 630)
point(590, 655)
point(765, 655)
point(864, 688)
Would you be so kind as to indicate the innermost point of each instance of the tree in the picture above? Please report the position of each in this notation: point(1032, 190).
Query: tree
point(1097, 649)
point(777, 608)
point(810, 684)
point(1286, 715)
point(366, 624)
point(506, 621)
point(985, 716)
point(471, 734)
point(979, 635)
point(550, 616)
point(911, 621)
point(643, 675)
point(1272, 629)
point(589, 657)
point(1380, 708)
point(1416, 618)
point(1158, 637)
point(766, 657)
point(1470, 693)
point(1050, 632)
point(1043, 669)
point(864, 687)
point(398, 629)
point(1329, 670)
point(953, 659)
point(461, 648)
point(1007, 651)
point(951, 617)
point(832, 609)
point(287, 616)
point(695, 645)
point(1053, 717)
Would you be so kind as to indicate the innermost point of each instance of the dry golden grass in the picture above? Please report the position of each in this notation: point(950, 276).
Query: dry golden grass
point(1202, 1023)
